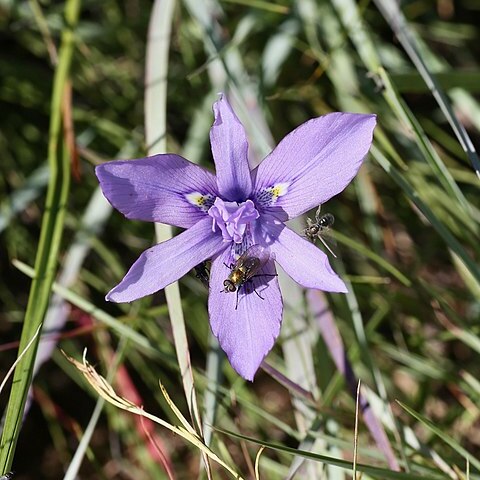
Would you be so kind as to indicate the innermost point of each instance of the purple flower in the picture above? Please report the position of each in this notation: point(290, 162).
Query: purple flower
point(225, 214)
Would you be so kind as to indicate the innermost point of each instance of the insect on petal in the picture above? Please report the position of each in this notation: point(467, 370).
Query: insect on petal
point(248, 331)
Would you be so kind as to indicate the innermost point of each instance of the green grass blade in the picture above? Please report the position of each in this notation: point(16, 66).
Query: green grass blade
point(49, 244)
point(382, 410)
point(350, 16)
point(446, 438)
point(380, 261)
point(441, 229)
point(123, 330)
point(96, 214)
point(395, 18)
point(375, 472)
point(411, 82)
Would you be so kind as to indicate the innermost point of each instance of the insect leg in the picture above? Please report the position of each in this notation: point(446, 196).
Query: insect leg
point(326, 245)
point(261, 275)
point(236, 303)
point(258, 295)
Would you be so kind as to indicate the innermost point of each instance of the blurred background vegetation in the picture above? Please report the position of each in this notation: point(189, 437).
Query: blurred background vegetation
point(406, 236)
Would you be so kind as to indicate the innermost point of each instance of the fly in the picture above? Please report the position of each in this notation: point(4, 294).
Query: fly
point(245, 269)
point(315, 229)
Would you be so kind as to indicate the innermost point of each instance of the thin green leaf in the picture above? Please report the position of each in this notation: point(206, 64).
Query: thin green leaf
point(49, 244)
point(395, 18)
point(350, 16)
point(381, 262)
point(413, 195)
point(376, 472)
point(446, 438)
point(84, 305)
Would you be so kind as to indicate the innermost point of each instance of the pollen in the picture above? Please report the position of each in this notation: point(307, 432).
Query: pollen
point(200, 200)
point(269, 195)
point(279, 190)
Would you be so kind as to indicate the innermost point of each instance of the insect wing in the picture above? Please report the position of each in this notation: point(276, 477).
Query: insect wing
point(250, 267)
point(253, 260)
point(259, 252)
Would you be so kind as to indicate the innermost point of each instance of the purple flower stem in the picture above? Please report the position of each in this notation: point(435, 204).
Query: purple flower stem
point(286, 382)
point(326, 323)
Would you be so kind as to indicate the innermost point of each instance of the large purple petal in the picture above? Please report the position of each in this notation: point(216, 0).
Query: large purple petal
point(300, 259)
point(166, 262)
point(230, 152)
point(163, 188)
point(314, 162)
point(247, 333)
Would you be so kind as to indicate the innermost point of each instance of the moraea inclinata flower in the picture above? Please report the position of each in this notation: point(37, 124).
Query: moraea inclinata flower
point(226, 213)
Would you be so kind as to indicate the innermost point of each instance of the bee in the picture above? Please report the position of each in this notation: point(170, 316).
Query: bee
point(315, 229)
point(202, 272)
point(245, 269)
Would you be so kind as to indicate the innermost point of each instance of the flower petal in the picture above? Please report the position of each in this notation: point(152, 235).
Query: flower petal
point(166, 262)
point(230, 152)
point(315, 162)
point(163, 188)
point(300, 259)
point(246, 333)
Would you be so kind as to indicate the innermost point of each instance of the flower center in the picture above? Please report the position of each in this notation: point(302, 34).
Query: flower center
point(232, 218)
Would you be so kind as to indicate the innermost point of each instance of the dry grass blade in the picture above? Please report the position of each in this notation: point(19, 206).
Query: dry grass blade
point(105, 390)
point(257, 463)
point(176, 411)
point(12, 368)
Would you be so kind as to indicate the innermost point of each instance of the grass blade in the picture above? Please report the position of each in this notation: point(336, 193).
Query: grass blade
point(446, 438)
point(49, 244)
point(350, 16)
point(395, 18)
point(441, 229)
point(332, 338)
point(105, 391)
point(123, 330)
point(155, 126)
point(375, 472)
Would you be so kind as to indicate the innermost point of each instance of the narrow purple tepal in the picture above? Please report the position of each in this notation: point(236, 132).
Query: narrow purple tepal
point(224, 215)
